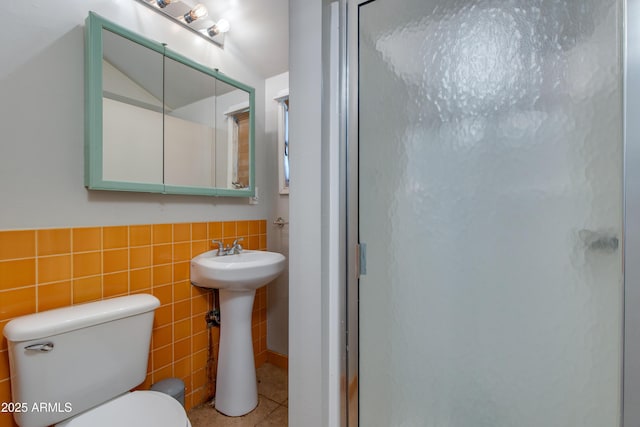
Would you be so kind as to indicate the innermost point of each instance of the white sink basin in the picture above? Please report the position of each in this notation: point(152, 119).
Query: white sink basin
point(245, 271)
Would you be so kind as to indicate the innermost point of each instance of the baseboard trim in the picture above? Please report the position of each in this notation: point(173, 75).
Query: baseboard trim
point(277, 359)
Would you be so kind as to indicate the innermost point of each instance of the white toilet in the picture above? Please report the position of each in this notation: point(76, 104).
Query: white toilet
point(74, 367)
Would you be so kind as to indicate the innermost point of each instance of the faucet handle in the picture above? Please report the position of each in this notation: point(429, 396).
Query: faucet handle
point(236, 247)
point(220, 246)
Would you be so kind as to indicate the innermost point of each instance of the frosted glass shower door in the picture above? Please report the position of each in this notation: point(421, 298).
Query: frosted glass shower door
point(490, 202)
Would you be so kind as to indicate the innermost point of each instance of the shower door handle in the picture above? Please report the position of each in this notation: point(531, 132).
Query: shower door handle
point(599, 240)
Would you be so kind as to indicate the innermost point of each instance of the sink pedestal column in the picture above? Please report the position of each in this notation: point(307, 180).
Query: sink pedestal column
point(236, 386)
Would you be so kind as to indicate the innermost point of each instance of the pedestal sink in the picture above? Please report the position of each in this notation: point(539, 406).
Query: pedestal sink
point(237, 277)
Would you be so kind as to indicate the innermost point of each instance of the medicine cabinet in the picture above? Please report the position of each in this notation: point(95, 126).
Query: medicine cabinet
point(159, 122)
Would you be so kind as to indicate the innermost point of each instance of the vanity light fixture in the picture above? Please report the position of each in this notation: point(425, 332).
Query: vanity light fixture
point(191, 16)
point(220, 27)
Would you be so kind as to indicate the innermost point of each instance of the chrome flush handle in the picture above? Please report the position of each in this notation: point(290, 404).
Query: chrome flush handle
point(41, 347)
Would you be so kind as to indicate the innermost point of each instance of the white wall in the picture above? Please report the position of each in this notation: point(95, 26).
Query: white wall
point(189, 156)
point(306, 406)
point(132, 143)
point(42, 121)
point(278, 290)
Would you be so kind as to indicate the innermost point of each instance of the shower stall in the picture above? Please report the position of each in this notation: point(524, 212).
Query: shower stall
point(493, 205)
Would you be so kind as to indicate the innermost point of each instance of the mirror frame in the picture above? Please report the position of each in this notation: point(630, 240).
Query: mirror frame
point(93, 148)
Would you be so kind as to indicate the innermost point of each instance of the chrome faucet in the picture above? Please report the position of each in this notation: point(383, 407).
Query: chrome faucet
point(234, 249)
point(220, 247)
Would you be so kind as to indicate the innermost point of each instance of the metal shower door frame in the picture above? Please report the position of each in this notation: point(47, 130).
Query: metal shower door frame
point(631, 224)
point(630, 54)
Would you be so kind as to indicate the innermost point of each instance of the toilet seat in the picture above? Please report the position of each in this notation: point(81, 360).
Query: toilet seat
point(135, 409)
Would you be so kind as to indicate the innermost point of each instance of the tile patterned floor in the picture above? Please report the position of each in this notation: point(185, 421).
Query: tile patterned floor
point(272, 409)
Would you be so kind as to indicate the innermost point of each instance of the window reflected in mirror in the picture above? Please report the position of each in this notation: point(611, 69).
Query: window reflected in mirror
point(240, 150)
point(237, 168)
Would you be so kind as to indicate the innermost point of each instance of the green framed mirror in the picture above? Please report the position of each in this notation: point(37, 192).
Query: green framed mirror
point(159, 122)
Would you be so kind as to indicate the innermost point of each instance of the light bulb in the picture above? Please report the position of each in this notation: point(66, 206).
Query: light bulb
point(222, 26)
point(199, 11)
point(162, 3)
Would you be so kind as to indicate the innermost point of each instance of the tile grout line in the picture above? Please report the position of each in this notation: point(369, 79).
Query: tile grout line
point(36, 275)
point(71, 278)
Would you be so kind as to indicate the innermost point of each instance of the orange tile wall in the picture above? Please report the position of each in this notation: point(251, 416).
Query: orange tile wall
point(51, 268)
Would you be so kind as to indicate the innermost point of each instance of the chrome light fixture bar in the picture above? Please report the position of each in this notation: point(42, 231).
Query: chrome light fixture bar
point(192, 17)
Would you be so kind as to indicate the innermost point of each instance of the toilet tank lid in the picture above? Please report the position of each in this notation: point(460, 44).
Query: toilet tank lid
point(61, 320)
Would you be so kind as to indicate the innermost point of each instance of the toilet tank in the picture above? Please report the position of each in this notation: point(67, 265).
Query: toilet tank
point(68, 360)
